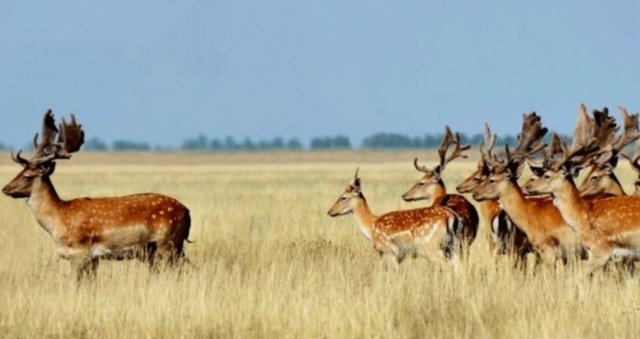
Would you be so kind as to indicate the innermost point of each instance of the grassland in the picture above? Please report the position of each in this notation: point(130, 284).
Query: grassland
point(271, 263)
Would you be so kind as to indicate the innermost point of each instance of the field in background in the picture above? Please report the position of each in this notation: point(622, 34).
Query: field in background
point(271, 263)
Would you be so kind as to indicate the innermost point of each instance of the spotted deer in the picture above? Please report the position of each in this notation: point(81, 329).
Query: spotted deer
point(601, 177)
point(608, 228)
point(431, 188)
point(539, 219)
point(147, 226)
point(634, 160)
point(424, 231)
point(503, 236)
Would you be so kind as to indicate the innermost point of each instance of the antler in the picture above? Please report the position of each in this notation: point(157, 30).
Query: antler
point(420, 168)
point(605, 128)
point(70, 139)
point(529, 141)
point(355, 182)
point(48, 137)
point(447, 141)
point(633, 160)
point(584, 145)
point(630, 133)
point(488, 143)
point(18, 159)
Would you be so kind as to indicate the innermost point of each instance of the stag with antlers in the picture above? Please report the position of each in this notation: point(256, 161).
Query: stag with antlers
point(608, 227)
point(426, 231)
point(147, 226)
point(601, 177)
point(431, 188)
point(503, 236)
point(537, 218)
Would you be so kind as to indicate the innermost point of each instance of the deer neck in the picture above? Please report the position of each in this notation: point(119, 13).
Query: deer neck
point(438, 194)
point(44, 203)
point(572, 206)
point(616, 187)
point(365, 219)
point(516, 205)
point(489, 210)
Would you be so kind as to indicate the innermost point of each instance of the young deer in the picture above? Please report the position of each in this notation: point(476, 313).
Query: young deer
point(608, 227)
point(503, 237)
point(146, 226)
point(424, 231)
point(432, 189)
point(537, 218)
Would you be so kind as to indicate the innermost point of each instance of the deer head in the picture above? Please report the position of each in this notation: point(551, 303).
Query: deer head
point(601, 177)
point(558, 172)
point(634, 160)
point(348, 199)
point(430, 186)
point(70, 138)
point(506, 171)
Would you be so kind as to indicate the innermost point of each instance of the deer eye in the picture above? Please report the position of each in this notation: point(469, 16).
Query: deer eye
point(594, 178)
point(492, 181)
point(421, 183)
point(343, 198)
point(547, 177)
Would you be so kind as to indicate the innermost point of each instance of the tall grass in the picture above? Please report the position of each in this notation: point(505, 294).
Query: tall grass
point(271, 263)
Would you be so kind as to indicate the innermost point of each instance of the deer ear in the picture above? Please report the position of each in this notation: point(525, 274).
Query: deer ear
point(538, 171)
point(438, 170)
point(517, 171)
point(48, 168)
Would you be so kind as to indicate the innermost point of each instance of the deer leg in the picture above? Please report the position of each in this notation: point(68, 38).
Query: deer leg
point(597, 259)
point(86, 268)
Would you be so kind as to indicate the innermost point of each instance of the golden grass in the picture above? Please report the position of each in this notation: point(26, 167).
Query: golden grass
point(271, 263)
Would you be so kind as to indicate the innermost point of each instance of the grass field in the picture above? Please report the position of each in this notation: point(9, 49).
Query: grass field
point(271, 263)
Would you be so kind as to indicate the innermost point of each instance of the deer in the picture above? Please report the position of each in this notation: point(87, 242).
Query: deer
point(609, 227)
point(503, 237)
point(427, 231)
point(634, 160)
point(601, 177)
point(431, 188)
point(539, 219)
point(148, 226)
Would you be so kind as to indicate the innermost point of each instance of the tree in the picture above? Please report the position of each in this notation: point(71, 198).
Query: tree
point(198, 143)
point(95, 144)
point(126, 145)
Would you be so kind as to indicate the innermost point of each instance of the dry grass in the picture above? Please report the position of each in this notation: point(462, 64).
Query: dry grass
point(271, 263)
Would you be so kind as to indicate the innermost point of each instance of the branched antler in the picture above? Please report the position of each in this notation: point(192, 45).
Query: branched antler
point(630, 133)
point(529, 142)
point(70, 139)
point(447, 140)
point(634, 160)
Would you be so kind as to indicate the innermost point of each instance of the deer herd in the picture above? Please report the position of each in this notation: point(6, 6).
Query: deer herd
point(548, 218)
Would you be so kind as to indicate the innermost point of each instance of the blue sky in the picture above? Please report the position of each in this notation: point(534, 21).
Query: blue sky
point(162, 71)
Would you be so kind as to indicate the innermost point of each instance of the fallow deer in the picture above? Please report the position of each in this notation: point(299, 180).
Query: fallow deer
point(503, 237)
point(634, 160)
point(537, 218)
point(601, 177)
point(422, 231)
point(431, 188)
point(148, 226)
point(608, 227)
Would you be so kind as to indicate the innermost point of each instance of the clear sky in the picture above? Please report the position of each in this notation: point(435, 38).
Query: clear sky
point(162, 71)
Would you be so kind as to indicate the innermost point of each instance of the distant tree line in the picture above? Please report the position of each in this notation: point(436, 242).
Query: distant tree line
point(374, 141)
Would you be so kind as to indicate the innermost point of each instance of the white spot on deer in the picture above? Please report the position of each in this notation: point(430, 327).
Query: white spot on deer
point(153, 216)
